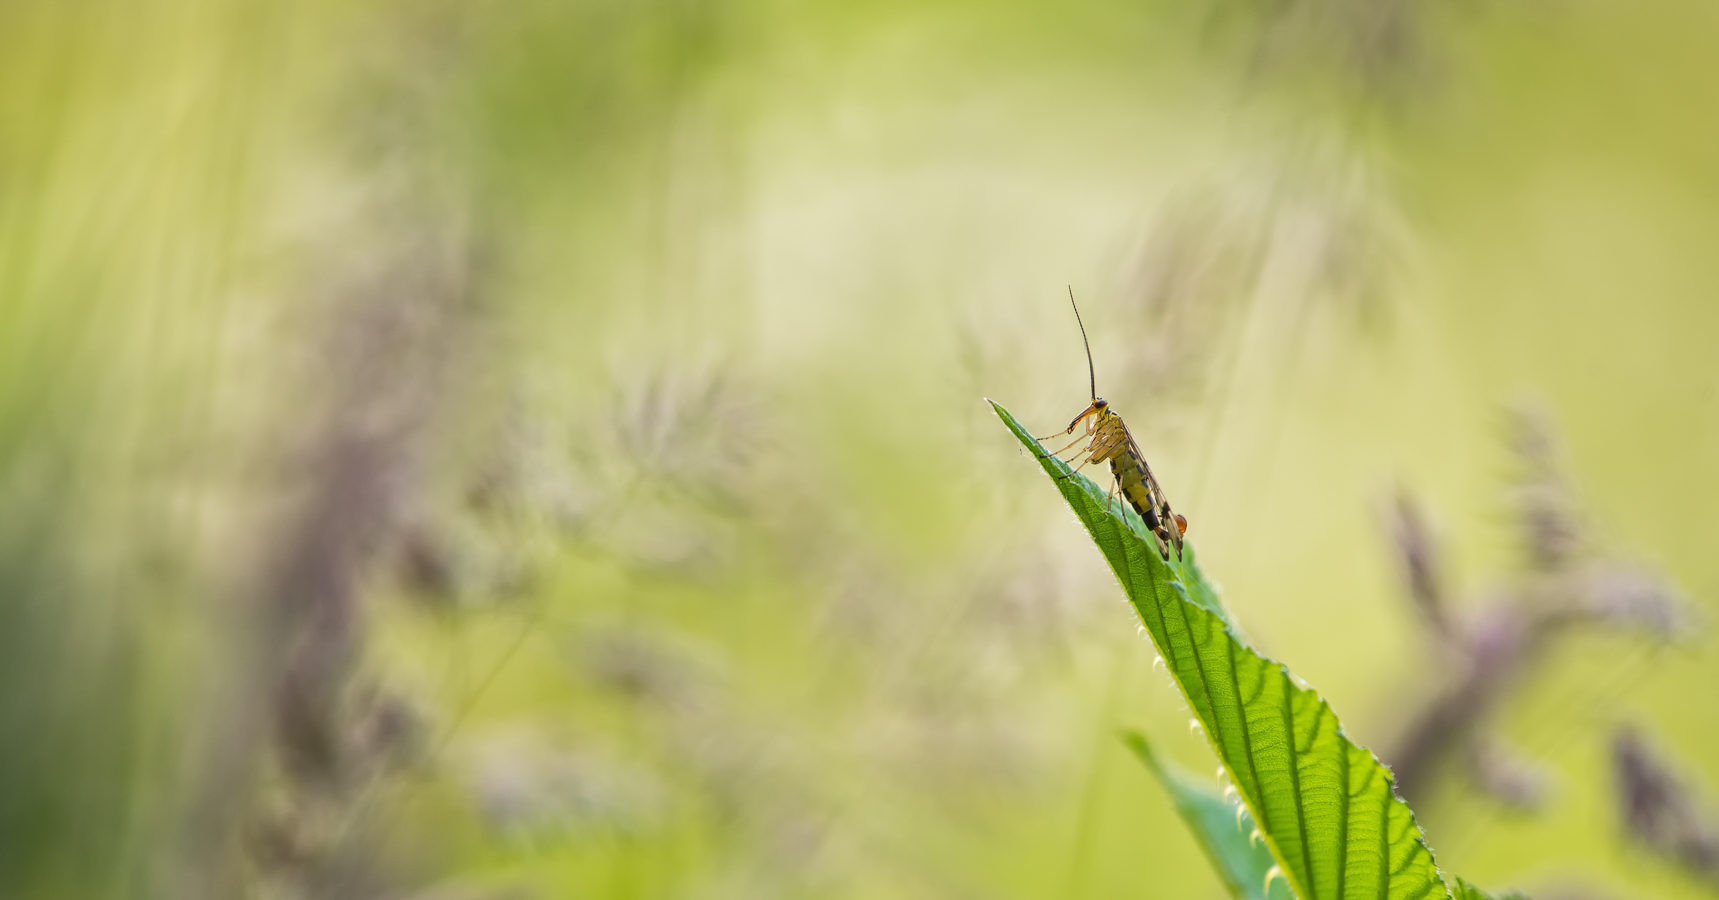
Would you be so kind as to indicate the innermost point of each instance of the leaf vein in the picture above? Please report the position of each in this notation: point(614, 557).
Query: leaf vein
point(1295, 781)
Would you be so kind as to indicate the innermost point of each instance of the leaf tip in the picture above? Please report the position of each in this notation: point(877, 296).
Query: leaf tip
point(1136, 741)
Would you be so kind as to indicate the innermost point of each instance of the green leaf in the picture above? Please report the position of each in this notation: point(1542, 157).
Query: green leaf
point(1327, 808)
point(1224, 830)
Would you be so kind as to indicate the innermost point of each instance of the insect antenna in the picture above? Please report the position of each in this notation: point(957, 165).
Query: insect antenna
point(1090, 373)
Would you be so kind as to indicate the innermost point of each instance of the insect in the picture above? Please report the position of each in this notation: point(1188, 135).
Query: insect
point(1107, 439)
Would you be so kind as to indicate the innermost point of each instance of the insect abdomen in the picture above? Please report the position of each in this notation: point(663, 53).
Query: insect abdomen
point(1130, 475)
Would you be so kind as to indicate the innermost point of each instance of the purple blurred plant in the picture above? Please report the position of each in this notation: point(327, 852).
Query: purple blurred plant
point(1489, 650)
point(1659, 808)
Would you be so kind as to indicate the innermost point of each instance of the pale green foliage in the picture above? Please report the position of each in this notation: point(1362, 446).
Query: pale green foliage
point(1224, 831)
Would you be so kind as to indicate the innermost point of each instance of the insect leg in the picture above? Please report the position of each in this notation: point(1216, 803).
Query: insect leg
point(1046, 454)
point(1070, 461)
point(1166, 540)
point(1076, 468)
point(1078, 455)
point(1173, 526)
point(1115, 485)
point(1070, 446)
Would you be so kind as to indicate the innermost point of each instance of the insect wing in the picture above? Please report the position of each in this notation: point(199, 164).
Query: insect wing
point(1111, 436)
point(1171, 522)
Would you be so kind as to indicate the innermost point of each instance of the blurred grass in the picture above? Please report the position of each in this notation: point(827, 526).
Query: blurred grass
point(488, 262)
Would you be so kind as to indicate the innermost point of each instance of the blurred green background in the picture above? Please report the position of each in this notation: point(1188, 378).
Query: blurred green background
point(535, 449)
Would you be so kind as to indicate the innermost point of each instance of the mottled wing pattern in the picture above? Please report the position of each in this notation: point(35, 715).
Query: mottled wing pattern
point(1109, 438)
point(1167, 519)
